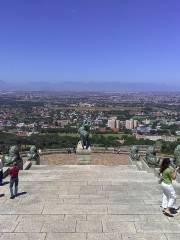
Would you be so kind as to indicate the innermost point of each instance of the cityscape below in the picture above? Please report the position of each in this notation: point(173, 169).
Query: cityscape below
point(52, 119)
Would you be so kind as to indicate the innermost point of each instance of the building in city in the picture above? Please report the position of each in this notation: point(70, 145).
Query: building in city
point(114, 123)
point(131, 124)
point(118, 124)
point(156, 137)
point(135, 123)
point(143, 129)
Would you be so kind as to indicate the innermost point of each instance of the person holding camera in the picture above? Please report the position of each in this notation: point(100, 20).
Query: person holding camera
point(169, 195)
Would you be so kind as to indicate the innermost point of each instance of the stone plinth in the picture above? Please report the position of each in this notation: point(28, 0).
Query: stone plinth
point(83, 155)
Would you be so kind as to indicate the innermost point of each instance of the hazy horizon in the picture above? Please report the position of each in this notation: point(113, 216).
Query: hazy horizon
point(92, 42)
point(88, 86)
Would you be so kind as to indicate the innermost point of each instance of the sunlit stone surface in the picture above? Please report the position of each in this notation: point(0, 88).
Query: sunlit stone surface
point(86, 202)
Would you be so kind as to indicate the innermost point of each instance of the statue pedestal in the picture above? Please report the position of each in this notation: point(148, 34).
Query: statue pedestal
point(84, 159)
point(83, 155)
point(33, 162)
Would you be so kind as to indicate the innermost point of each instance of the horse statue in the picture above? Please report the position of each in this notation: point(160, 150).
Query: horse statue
point(33, 155)
point(12, 157)
point(177, 156)
point(134, 153)
point(150, 158)
point(84, 134)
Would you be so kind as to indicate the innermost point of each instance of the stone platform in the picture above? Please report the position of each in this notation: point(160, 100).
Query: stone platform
point(86, 202)
point(96, 159)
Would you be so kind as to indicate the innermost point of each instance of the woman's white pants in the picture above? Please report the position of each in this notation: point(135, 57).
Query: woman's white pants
point(169, 196)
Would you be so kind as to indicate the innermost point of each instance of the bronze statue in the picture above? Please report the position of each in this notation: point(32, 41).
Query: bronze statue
point(177, 156)
point(12, 157)
point(151, 158)
point(33, 155)
point(134, 153)
point(84, 134)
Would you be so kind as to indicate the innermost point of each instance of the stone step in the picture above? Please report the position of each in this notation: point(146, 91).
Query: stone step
point(113, 183)
point(105, 173)
point(50, 179)
point(83, 167)
point(86, 203)
point(90, 177)
point(100, 171)
point(90, 236)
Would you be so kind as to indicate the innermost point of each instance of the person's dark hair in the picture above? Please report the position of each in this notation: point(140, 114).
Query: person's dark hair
point(165, 164)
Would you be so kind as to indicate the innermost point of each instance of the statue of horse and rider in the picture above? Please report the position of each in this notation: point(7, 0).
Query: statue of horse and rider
point(33, 155)
point(84, 134)
point(13, 156)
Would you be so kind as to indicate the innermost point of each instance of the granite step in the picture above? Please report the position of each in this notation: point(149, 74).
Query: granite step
point(82, 167)
point(86, 203)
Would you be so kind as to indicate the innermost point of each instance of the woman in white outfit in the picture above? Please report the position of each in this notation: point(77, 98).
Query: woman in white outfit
point(169, 195)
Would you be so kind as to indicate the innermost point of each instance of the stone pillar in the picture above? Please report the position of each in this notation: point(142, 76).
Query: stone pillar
point(83, 155)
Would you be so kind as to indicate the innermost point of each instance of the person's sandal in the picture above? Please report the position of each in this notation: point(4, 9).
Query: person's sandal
point(167, 213)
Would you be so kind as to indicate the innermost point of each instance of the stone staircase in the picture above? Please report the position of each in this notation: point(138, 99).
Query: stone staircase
point(86, 202)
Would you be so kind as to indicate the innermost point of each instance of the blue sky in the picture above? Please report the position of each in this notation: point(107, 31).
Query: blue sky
point(90, 40)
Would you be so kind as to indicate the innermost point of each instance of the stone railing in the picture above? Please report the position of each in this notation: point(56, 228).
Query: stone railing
point(123, 149)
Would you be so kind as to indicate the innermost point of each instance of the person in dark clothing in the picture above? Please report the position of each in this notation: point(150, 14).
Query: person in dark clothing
point(74, 149)
point(14, 180)
point(1, 173)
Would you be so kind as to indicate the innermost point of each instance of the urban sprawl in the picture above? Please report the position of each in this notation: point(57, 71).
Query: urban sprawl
point(52, 119)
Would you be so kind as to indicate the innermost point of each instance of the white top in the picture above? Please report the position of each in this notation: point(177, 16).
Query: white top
point(1, 165)
point(39, 151)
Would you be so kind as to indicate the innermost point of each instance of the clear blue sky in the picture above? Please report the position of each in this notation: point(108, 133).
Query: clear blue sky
point(90, 40)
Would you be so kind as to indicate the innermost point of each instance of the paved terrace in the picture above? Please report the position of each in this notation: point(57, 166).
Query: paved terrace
point(86, 203)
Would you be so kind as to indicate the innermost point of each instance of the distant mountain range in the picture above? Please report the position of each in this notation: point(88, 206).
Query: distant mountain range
point(86, 86)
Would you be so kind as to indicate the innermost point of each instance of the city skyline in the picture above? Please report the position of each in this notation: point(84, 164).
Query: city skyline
point(55, 42)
